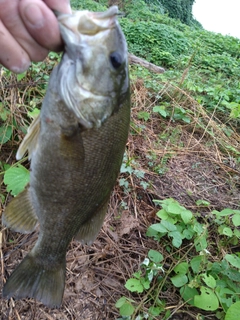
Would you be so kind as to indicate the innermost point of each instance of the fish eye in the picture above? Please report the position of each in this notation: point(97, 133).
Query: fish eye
point(116, 59)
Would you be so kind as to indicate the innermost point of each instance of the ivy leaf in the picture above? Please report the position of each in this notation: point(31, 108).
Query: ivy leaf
point(16, 178)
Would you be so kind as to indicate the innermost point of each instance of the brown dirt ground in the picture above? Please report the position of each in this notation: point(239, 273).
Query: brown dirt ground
point(193, 165)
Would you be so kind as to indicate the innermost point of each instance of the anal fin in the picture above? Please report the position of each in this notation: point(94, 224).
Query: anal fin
point(19, 214)
point(29, 142)
point(88, 231)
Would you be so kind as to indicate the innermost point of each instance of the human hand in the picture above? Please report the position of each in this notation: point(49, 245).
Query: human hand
point(28, 30)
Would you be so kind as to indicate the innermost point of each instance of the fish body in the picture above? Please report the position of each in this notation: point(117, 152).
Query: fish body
point(76, 148)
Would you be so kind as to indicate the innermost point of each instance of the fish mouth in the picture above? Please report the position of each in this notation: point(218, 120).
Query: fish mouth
point(86, 22)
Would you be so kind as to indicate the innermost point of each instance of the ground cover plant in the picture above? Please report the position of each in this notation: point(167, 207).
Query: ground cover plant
point(169, 247)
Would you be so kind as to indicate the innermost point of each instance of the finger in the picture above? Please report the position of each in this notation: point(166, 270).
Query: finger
point(61, 6)
point(12, 55)
point(11, 20)
point(46, 32)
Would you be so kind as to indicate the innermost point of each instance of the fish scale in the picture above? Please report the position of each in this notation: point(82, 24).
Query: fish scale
point(76, 147)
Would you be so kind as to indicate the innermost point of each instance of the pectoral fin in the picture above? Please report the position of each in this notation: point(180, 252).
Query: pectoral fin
point(29, 142)
point(89, 230)
point(19, 214)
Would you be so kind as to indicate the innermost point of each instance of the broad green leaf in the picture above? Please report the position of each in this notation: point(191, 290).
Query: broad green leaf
point(209, 280)
point(236, 219)
point(120, 302)
point(34, 113)
point(162, 214)
point(4, 113)
point(16, 178)
point(168, 225)
point(134, 285)
point(195, 263)
point(188, 233)
point(233, 312)
point(151, 232)
point(198, 228)
point(155, 256)
point(177, 238)
point(223, 291)
point(227, 232)
point(186, 216)
point(236, 232)
point(146, 282)
point(158, 227)
point(226, 212)
point(181, 268)
point(207, 300)
point(179, 280)
point(5, 134)
point(175, 208)
point(143, 115)
point(202, 202)
point(20, 76)
point(160, 110)
point(126, 309)
point(188, 294)
point(155, 311)
point(137, 274)
point(200, 243)
point(233, 260)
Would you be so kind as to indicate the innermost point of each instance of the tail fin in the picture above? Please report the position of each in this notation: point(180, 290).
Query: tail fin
point(31, 280)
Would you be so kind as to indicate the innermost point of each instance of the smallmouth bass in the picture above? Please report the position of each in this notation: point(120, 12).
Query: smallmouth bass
point(76, 147)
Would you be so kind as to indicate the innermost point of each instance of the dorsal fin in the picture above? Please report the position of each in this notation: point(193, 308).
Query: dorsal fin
point(29, 142)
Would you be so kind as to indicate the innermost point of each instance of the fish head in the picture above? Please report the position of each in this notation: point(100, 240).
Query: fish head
point(94, 79)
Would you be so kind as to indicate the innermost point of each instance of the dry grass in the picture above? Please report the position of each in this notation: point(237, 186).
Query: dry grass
point(196, 163)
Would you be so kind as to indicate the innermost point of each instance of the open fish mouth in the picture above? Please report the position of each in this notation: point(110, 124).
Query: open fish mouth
point(89, 23)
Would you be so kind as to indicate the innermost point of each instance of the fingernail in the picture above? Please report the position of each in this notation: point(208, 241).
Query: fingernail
point(34, 16)
point(25, 64)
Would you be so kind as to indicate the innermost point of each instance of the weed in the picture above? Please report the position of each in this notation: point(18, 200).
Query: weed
point(201, 282)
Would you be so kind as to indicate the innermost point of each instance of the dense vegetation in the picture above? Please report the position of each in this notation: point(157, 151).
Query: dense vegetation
point(194, 105)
